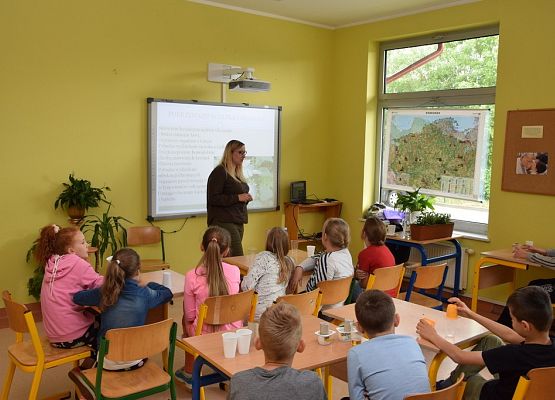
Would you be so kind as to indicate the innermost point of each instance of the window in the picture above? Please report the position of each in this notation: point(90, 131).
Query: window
point(436, 110)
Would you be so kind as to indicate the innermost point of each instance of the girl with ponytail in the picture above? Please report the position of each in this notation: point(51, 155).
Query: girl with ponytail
point(211, 277)
point(123, 302)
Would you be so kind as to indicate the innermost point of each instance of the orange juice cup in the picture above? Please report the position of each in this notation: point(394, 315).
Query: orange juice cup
point(430, 321)
point(451, 312)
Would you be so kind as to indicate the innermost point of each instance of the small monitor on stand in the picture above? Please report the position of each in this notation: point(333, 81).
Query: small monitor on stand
point(298, 193)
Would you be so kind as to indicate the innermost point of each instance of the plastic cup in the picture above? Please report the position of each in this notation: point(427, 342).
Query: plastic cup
point(230, 344)
point(243, 340)
point(529, 243)
point(391, 229)
point(310, 250)
point(294, 244)
point(167, 279)
point(451, 312)
point(430, 321)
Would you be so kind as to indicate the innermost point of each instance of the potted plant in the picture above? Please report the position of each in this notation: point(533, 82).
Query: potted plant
point(78, 196)
point(34, 284)
point(411, 203)
point(432, 225)
point(107, 232)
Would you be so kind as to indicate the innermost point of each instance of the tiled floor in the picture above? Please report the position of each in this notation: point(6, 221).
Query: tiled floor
point(56, 380)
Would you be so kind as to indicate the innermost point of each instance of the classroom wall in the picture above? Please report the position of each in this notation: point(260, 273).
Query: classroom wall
point(524, 80)
point(74, 79)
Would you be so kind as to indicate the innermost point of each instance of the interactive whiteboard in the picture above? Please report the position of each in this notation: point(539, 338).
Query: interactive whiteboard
point(186, 140)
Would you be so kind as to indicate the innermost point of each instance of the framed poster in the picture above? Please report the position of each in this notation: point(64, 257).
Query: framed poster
point(529, 141)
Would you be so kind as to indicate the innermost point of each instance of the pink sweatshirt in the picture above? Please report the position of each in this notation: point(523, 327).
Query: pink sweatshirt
point(196, 291)
point(64, 276)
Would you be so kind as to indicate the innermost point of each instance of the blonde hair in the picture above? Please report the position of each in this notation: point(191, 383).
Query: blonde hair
point(235, 171)
point(277, 242)
point(338, 232)
point(215, 243)
point(280, 331)
point(125, 264)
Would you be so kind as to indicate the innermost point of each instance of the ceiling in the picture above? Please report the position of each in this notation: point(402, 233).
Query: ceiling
point(333, 14)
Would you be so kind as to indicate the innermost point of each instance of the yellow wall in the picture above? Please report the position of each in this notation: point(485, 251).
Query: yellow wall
point(74, 79)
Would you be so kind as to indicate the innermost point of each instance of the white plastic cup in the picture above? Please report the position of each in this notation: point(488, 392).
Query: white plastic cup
point(391, 229)
point(230, 344)
point(243, 340)
point(167, 279)
point(310, 250)
point(529, 243)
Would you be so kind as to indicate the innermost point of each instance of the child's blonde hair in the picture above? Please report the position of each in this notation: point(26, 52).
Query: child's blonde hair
point(338, 232)
point(277, 242)
point(280, 331)
point(215, 243)
point(125, 264)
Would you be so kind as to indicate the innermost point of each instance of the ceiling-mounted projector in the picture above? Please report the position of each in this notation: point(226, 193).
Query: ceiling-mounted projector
point(239, 79)
point(249, 85)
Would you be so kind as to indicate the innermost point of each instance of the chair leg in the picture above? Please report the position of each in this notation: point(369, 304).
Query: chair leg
point(36, 383)
point(8, 380)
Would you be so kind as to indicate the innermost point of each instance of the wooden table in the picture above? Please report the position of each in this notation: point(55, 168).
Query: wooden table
point(161, 312)
point(494, 268)
point(210, 350)
point(245, 262)
point(420, 246)
point(330, 209)
point(465, 332)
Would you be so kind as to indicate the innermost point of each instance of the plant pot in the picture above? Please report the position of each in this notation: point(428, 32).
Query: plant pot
point(75, 212)
point(427, 232)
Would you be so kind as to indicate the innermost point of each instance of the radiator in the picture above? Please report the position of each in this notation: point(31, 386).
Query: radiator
point(438, 249)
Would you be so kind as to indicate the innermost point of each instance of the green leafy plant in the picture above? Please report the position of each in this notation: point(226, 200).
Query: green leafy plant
point(414, 201)
point(34, 284)
point(433, 218)
point(107, 232)
point(81, 194)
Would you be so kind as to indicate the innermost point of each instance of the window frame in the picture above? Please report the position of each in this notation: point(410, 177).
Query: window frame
point(443, 98)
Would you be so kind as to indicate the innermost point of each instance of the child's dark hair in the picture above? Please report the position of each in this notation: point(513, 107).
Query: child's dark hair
point(215, 243)
point(125, 264)
point(338, 232)
point(54, 240)
point(374, 231)
point(533, 305)
point(375, 311)
point(280, 331)
point(277, 242)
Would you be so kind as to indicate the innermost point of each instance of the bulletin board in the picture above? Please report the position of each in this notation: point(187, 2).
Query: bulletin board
point(529, 144)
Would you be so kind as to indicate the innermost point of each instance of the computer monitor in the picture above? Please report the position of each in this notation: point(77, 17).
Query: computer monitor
point(298, 191)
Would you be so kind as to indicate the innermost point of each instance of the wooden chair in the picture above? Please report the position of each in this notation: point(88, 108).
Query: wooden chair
point(334, 291)
point(307, 303)
point(34, 355)
point(127, 344)
point(221, 310)
point(538, 385)
point(426, 277)
point(453, 392)
point(387, 279)
point(148, 235)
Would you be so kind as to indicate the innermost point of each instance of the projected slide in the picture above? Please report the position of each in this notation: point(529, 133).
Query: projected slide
point(186, 142)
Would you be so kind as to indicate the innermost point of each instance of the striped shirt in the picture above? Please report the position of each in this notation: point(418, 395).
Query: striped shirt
point(328, 266)
point(547, 261)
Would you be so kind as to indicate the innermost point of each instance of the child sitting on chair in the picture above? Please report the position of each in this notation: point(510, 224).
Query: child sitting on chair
point(387, 366)
point(279, 337)
point(334, 263)
point(375, 255)
point(529, 346)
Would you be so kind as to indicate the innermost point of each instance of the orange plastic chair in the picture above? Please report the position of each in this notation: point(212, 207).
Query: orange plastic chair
point(387, 279)
point(34, 355)
point(426, 277)
point(453, 392)
point(307, 303)
point(148, 235)
point(538, 385)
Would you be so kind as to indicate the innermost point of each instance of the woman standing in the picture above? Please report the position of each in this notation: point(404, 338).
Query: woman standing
point(227, 195)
